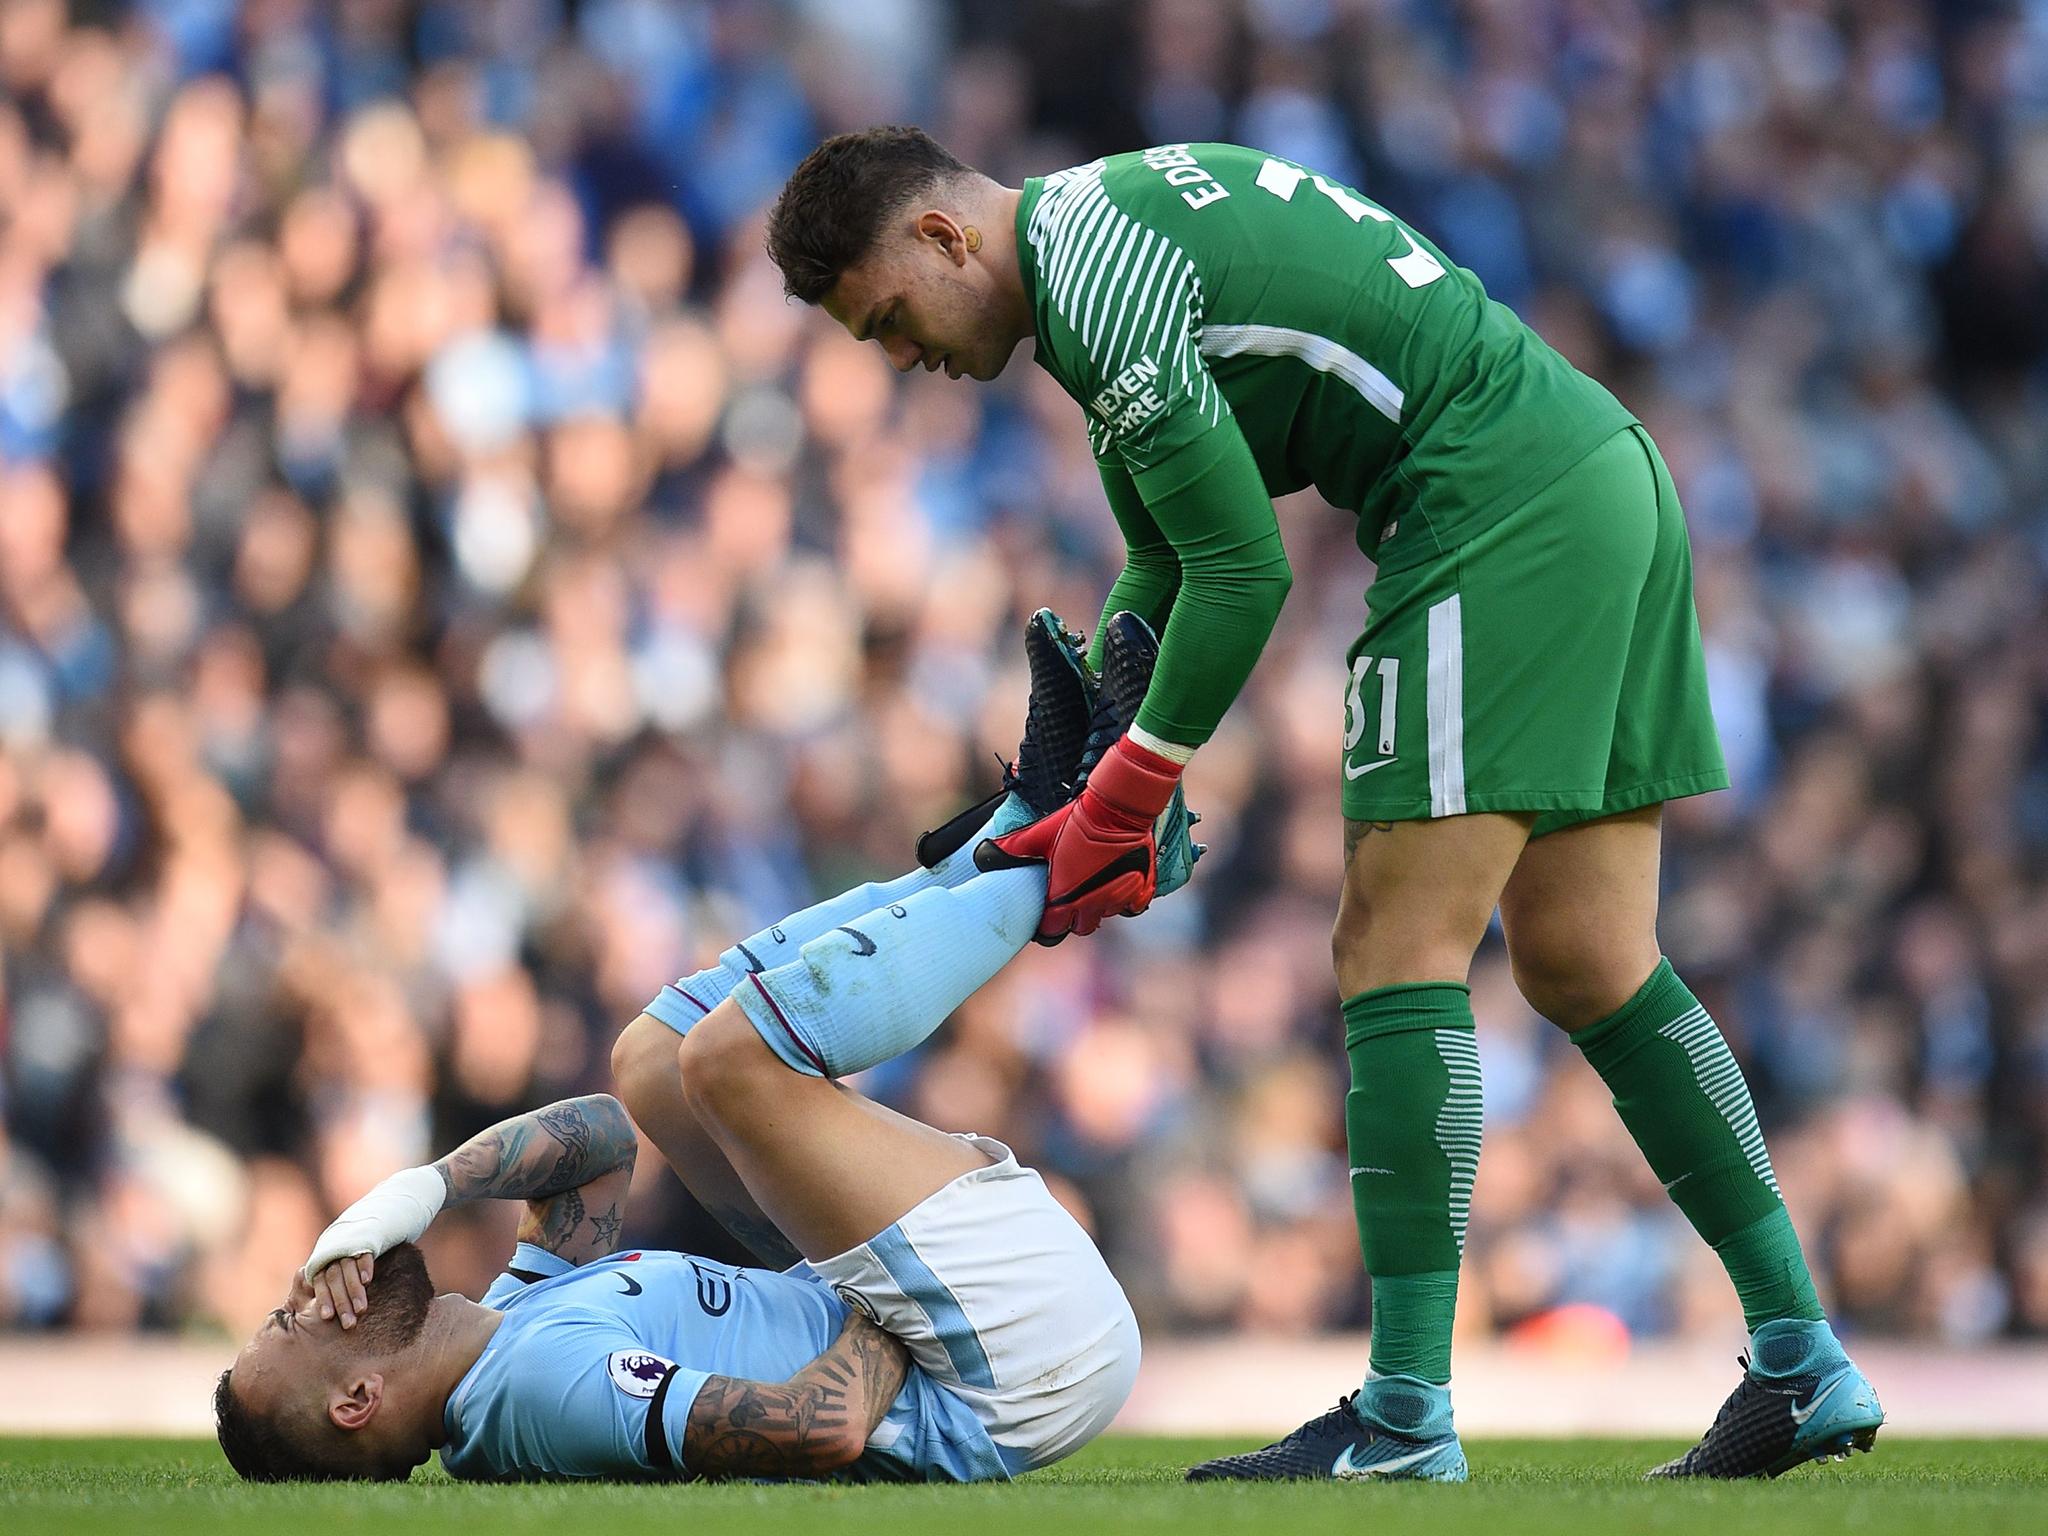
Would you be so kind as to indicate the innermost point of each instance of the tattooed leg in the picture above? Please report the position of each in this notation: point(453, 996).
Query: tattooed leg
point(1355, 832)
point(644, 1067)
point(1418, 896)
point(829, 1167)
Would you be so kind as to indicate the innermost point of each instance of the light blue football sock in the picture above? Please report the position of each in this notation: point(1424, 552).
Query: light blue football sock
point(1794, 1346)
point(875, 987)
point(781, 942)
point(682, 1003)
point(1407, 1405)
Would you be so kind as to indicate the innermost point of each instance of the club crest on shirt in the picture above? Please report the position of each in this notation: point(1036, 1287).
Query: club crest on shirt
point(858, 1302)
point(637, 1372)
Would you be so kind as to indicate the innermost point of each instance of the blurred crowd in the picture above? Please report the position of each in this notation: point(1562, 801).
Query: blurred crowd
point(446, 592)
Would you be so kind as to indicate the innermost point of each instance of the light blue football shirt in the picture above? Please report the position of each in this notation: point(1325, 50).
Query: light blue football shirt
point(593, 1371)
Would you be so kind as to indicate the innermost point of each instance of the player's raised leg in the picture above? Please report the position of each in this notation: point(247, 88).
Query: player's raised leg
point(644, 1056)
point(829, 1166)
point(946, 1241)
point(644, 1073)
point(1580, 915)
point(858, 995)
point(875, 987)
point(866, 991)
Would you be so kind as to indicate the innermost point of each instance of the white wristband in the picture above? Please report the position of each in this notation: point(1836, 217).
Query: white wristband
point(396, 1211)
point(1172, 751)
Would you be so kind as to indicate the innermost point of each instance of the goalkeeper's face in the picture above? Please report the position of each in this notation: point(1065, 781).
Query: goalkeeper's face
point(928, 302)
point(307, 1398)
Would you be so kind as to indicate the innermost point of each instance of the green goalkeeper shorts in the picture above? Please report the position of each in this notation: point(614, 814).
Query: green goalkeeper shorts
point(1550, 664)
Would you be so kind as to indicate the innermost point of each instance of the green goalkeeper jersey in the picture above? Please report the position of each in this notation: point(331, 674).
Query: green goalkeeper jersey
point(1236, 327)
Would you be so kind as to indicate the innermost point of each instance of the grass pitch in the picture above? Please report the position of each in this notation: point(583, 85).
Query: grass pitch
point(1518, 1488)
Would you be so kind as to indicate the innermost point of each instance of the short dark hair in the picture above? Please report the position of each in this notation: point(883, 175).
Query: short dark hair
point(257, 1446)
point(836, 202)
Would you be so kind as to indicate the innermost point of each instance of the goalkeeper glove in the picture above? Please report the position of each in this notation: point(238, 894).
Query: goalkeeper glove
point(1099, 851)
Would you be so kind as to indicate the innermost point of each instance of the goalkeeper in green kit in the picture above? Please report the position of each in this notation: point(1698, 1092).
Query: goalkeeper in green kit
point(1526, 692)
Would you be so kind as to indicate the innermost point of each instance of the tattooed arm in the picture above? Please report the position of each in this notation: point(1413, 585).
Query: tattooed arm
point(570, 1163)
point(808, 1426)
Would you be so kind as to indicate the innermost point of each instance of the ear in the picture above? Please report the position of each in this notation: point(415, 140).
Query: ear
point(942, 230)
point(354, 1404)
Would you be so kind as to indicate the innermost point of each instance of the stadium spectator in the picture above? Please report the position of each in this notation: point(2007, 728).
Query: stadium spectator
point(444, 587)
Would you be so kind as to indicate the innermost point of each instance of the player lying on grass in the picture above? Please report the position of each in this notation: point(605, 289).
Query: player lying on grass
point(952, 1323)
point(1527, 689)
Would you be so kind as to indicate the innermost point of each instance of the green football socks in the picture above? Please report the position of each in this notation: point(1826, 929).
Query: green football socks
point(1682, 1097)
point(1413, 1121)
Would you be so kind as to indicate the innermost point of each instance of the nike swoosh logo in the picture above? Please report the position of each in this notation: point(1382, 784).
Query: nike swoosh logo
point(1363, 769)
point(632, 1286)
point(1801, 1415)
point(862, 944)
point(1345, 1467)
point(1132, 861)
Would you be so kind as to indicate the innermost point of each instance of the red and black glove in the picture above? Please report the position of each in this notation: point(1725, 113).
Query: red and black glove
point(1098, 849)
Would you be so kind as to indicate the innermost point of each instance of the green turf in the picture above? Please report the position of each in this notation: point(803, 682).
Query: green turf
point(1519, 1488)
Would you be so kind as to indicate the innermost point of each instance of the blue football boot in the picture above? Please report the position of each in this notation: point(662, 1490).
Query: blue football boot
point(1801, 1399)
point(1342, 1446)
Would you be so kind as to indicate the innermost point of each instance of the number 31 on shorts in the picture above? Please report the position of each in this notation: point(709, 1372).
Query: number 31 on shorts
point(1358, 711)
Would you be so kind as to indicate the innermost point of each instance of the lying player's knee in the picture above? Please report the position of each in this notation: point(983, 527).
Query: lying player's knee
point(642, 1057)
point(719, 1056)
point(692, 1069)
